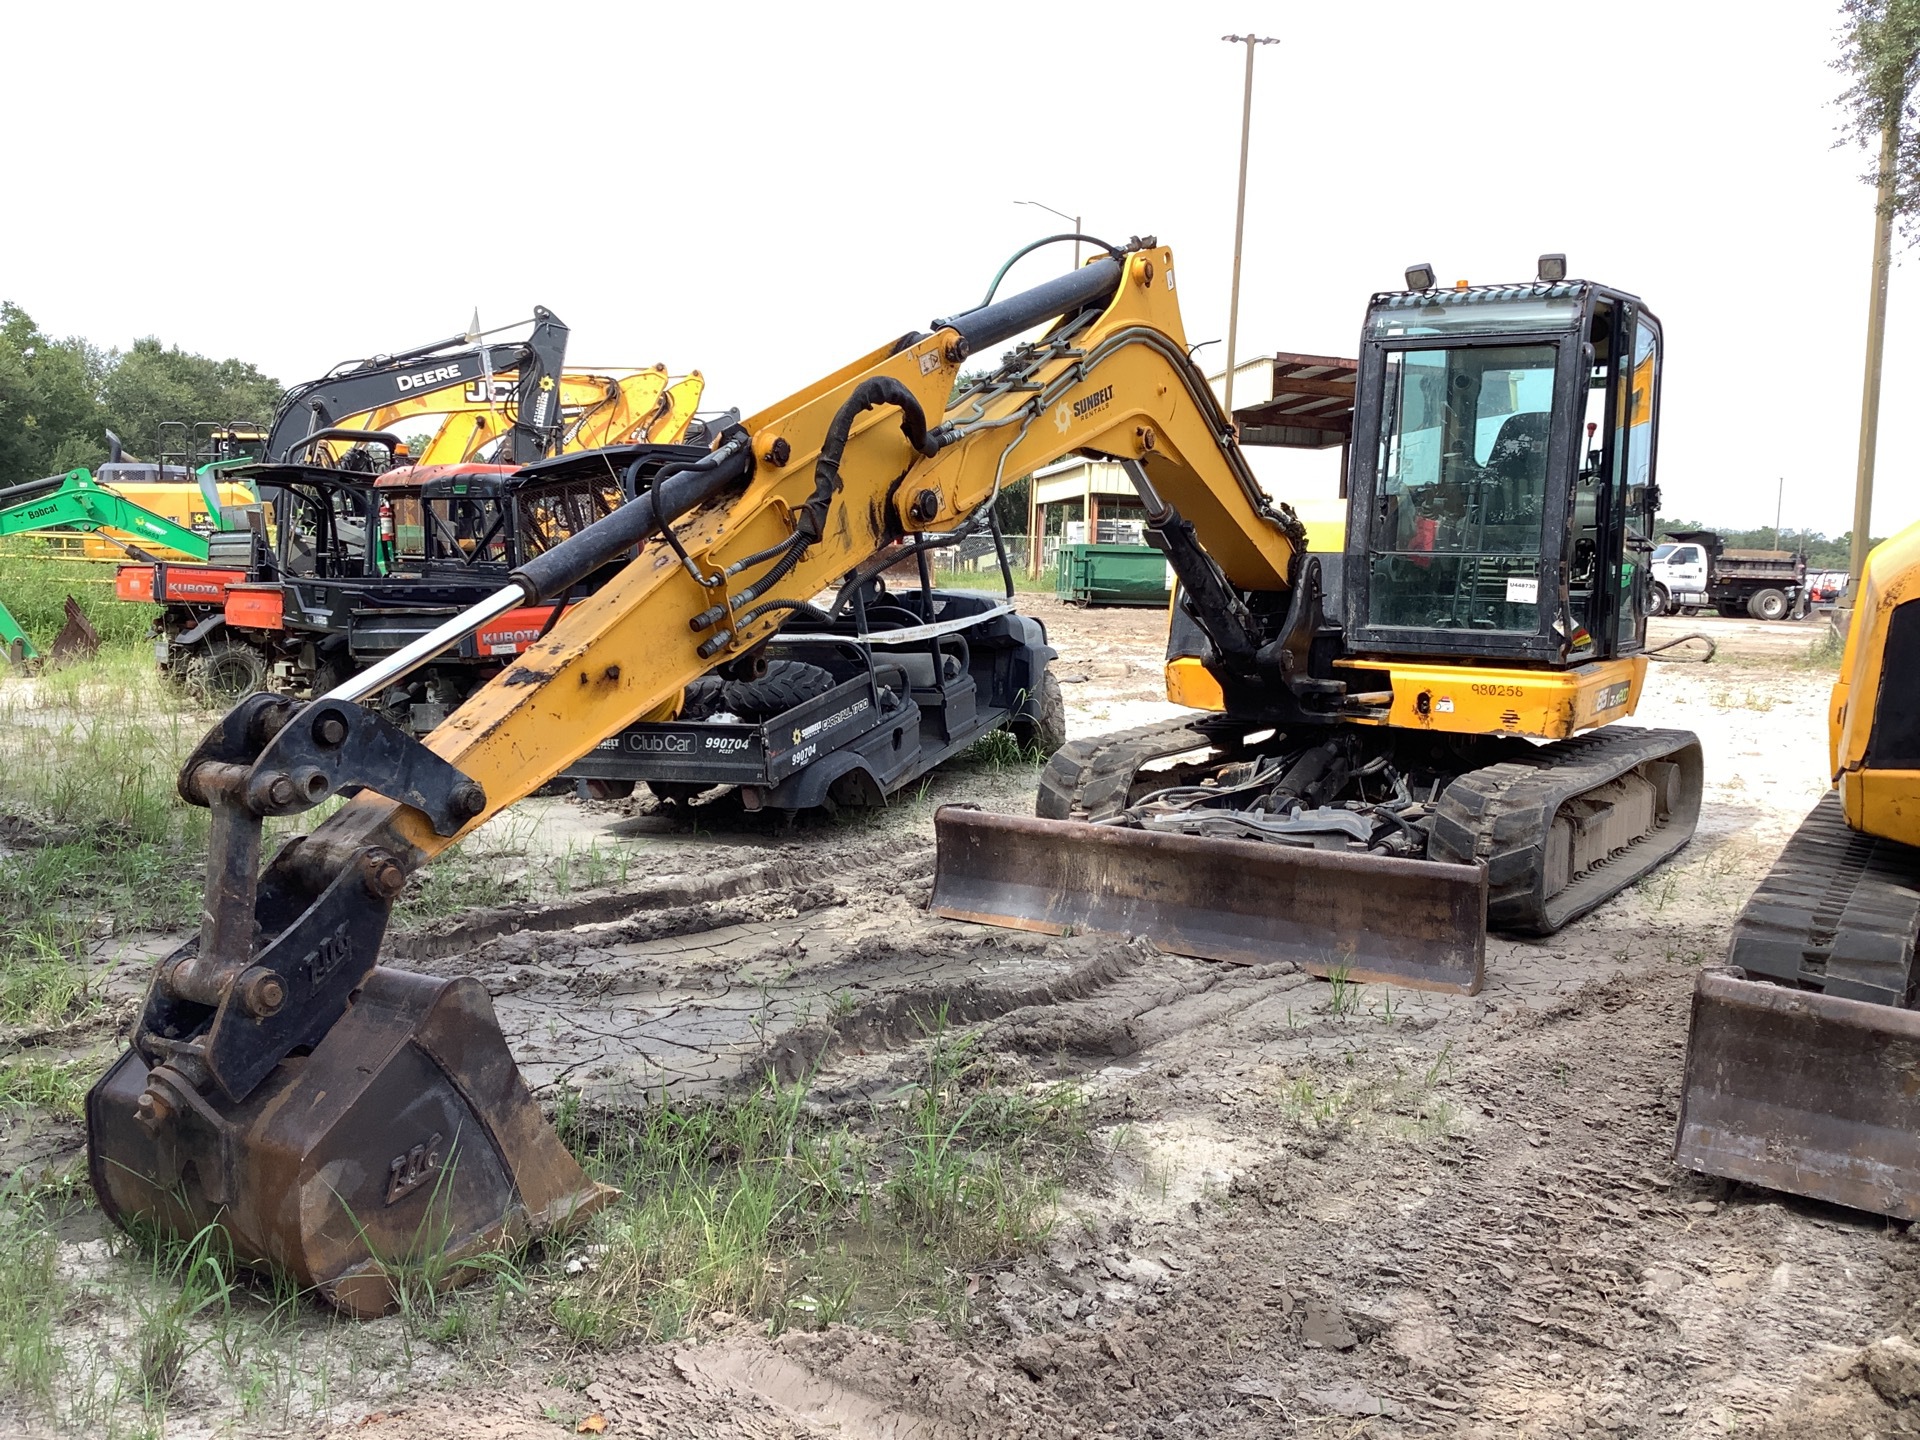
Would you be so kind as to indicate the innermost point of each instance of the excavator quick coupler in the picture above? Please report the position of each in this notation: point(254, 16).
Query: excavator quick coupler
point(347, 1124)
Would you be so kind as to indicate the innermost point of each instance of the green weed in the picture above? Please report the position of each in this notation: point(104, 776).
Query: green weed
point(1003, 750)
point(31, 1299)
point(57, 1086)
point(1343, 995)
point(35, 583)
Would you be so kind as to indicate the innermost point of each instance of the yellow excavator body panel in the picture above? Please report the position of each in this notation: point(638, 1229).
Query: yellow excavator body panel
point(1484, 700)
point(1879, 802)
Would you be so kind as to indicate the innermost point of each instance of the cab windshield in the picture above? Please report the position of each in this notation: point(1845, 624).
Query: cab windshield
point(1464, 437)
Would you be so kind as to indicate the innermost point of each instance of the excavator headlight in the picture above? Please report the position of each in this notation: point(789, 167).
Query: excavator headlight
point(1553, 268)
point(1419, 277)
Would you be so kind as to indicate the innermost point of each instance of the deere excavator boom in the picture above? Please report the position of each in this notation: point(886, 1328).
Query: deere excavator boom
point(362, 386)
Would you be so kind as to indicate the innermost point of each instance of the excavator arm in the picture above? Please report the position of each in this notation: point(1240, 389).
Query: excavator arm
point(810, 490)
point(75, 501)
point(338, 1116)
point(356, 389)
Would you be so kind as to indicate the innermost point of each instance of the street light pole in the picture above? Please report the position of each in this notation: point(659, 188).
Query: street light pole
point(1064, 216)
point(1876, 345)
point(1240, 209)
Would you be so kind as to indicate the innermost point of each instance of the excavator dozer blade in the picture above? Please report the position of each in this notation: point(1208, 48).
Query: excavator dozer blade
point(1418, 923)
point(400, 1151)
point(1807, 1093)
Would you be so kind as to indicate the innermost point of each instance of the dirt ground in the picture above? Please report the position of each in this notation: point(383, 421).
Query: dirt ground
point(1316, 1210)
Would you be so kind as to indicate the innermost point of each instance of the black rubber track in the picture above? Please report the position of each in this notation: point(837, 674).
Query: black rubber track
point(1503, 813)
point(1091, 779)
point(1838, 913)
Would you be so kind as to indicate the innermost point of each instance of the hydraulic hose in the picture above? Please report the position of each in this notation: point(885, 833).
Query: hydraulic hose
point(1026, 250)
point(674, 493)
point(1096, 281)
point(880, 390)
point(31, 490)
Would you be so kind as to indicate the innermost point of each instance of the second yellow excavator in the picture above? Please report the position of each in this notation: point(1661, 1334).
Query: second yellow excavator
point(597, 409)
point(1804, 1048)
point(343, 1119)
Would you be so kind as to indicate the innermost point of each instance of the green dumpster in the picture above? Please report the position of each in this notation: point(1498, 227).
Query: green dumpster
point(1113, 575)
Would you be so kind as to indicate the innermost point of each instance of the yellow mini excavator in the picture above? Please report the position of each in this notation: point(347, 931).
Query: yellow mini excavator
point(1803, 1054)
point(1395, 738)
point(596, 409)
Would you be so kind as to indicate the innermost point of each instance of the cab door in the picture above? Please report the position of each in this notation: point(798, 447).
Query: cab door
point(1635, 496)
point(1688, 567)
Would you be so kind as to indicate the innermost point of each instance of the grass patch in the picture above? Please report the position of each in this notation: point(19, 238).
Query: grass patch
point(1045, 583)
point(56, 1086)
point(35, 584)
point(31, 1297)
point(1003, 750)
point(1399, 1102)
point(759, 1208)
point(94, 838)
point(1824, 652)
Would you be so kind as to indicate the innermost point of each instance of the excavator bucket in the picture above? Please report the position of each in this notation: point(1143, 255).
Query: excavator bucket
point(399, 1152)
point(77, 640)
point(1803, 1092)
point(1417, 923)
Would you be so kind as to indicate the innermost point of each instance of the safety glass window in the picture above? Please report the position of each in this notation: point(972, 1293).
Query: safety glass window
point(1462, 469)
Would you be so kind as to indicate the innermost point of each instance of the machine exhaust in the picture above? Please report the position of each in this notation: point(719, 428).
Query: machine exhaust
point(1419, 923)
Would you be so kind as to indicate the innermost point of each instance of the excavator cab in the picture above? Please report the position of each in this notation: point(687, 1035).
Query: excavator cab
point(1501, 496)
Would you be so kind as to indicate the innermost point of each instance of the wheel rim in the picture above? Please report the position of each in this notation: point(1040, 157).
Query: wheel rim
point(229, 677)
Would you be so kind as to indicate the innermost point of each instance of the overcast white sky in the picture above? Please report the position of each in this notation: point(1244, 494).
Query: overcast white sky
point(763, 192)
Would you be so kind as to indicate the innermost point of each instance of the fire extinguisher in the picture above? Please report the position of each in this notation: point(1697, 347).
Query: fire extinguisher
point(388, 539)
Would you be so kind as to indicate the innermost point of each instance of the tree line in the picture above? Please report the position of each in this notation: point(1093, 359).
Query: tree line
point(59, 397)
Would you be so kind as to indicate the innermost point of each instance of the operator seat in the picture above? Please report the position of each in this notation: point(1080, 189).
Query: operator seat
point(1518, 465)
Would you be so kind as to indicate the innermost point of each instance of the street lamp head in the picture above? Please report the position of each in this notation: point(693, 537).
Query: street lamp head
point(1250, 39)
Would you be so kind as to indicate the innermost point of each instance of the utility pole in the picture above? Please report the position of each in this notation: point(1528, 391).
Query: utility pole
point(1240, 209)
point(1064, 216)
point(1779, 504)
point(1876, 344)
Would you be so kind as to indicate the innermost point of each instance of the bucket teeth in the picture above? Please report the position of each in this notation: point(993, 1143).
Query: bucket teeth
point(400, 1150)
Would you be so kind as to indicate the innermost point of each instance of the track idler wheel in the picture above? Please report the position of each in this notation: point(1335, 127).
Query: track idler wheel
point(401, 1151)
